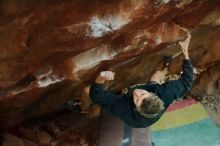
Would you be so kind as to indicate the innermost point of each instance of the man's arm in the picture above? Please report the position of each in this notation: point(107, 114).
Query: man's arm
point(172, 90)
point(97, 92)
point(108, 100)
point(185, 46)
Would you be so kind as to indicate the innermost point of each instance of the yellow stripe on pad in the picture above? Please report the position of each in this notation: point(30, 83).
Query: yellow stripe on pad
point(180, 117)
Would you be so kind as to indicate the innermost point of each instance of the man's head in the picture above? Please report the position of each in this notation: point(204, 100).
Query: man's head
point(147, 103)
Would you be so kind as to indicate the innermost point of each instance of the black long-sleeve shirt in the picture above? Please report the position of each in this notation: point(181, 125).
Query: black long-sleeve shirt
point(124, 107)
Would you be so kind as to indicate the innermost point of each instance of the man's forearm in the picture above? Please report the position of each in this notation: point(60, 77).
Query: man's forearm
point(187, 76)
point(186, 55)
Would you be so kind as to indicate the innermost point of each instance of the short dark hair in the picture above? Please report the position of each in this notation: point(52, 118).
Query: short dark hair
point(151, 106)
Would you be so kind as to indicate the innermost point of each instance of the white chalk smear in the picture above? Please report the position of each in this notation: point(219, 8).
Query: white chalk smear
point(158, 40)
point(162, 1)
point(49, 80)
point(217, 22)
point(104, 25)
point(92, 57)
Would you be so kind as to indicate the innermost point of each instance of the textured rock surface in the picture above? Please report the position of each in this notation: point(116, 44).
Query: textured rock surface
point(208, 88)
point(52, 49)
point(61, 129)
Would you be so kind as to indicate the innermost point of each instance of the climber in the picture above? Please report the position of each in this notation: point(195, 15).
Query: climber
point(142, 105)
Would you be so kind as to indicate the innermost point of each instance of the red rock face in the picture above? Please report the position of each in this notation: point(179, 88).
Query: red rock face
point(51, 50)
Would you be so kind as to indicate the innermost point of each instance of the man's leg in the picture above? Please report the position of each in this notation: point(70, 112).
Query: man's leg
point(159, 76)
point(82, 105)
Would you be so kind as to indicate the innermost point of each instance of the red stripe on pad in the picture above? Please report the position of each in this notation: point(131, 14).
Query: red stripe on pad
point(181, 104)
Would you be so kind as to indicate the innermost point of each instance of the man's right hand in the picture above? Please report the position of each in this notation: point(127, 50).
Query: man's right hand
point(185, 45)
point(105, 76)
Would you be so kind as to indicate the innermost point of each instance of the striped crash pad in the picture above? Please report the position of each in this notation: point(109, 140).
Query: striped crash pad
point(185, 124)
